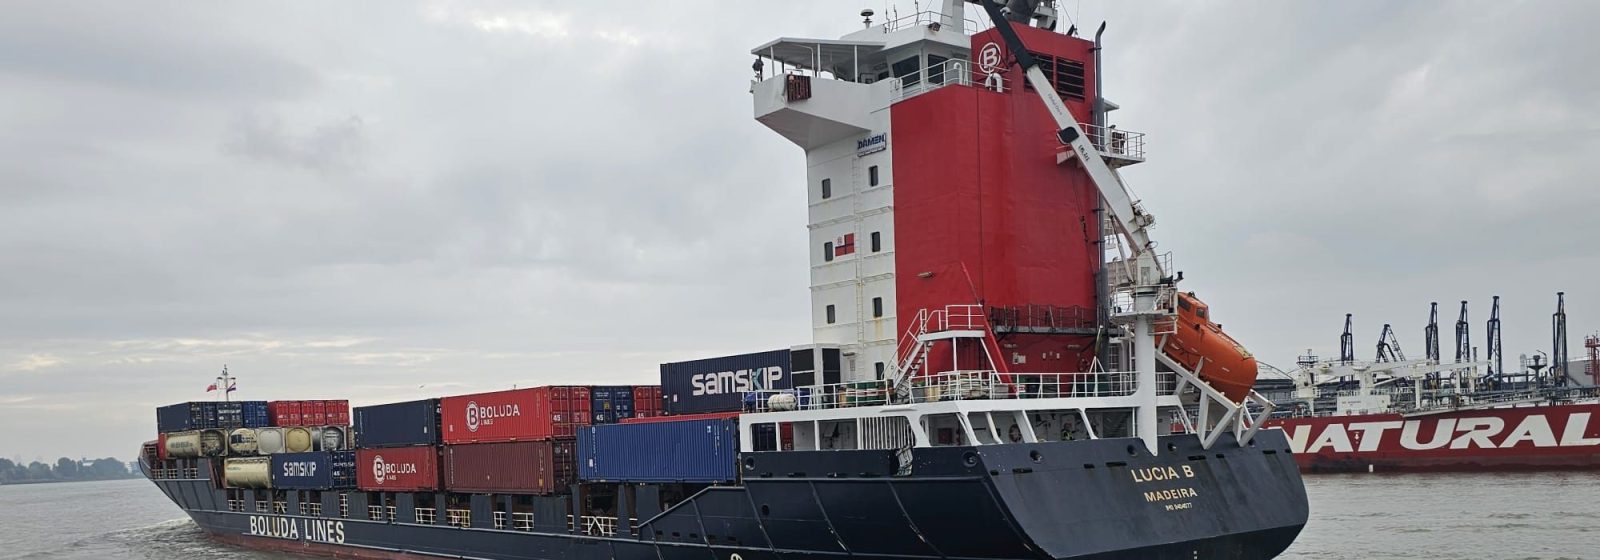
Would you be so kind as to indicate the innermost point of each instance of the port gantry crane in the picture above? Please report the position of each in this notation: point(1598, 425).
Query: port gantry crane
point(1142, 276)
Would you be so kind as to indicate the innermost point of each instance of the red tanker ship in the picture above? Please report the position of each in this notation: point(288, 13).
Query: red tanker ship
point(1394, 414)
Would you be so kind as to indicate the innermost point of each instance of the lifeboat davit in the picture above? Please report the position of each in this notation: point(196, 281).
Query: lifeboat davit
point(1199, 345)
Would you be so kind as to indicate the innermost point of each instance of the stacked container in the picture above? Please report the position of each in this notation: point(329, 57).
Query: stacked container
point(661, 450)
point(317, 470)
point(721, 384)
point(516, 441)
point(537, 467)
point(398, 469)
point(647, 401)
point(200, 415)
point(539, 413)
point(398, 446)
point(310, 413)
point(398, 424)
point(611, 403)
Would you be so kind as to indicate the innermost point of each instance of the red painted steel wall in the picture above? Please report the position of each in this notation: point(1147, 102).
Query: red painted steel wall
point(981, 204)
point(535, 467)
point(522, 414)
point(1566, 436)
point(398, 469)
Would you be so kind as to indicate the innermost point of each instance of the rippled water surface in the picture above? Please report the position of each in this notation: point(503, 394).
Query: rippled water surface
point(1548, 516)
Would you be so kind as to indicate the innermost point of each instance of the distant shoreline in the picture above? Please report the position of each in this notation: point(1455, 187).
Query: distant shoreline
point(31, 482)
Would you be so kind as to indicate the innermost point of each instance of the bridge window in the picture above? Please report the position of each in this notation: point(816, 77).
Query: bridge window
point(936, 69)
point(872, 176)
point(908, 71)
point(877, 307)
point(829, 312)
point(827, 251)
point(877, 242)
point(827, 188)
point(878, 367)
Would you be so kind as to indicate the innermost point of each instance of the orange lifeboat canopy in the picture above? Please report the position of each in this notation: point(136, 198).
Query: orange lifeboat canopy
point(1199, 345)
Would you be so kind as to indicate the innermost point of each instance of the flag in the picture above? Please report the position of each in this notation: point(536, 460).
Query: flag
point(845, 245)
point(211, 387)
point(233, 387)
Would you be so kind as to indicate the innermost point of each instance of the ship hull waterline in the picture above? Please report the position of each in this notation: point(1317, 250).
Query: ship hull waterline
point(1092, 500)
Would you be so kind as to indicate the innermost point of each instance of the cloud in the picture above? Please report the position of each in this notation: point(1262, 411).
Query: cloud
point(331, 146)
point(35, 362)
point(344, 202)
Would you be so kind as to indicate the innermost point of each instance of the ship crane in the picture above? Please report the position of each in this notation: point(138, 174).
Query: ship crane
point(1389, 346)
point(1195, 347)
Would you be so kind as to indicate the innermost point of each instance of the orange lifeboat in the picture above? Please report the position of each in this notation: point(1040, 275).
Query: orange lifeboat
point(1200, 346)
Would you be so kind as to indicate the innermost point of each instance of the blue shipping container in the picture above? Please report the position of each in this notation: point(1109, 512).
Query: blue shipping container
point(610, 403)
point(702, 451)
point(180, 417)
point(255, 414)
point(317, 470)
point(397, 424)
point(719, 384)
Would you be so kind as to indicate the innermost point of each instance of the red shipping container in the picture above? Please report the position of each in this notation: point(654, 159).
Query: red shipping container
point(535, 467)
point(338, 413)
point(284, 413)
point(398, 469)
point(314, 413)
point(521, 414)
point(647, 398)
point(161, 449)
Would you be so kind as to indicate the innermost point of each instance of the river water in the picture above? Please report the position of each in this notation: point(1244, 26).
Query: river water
point(1549, 516)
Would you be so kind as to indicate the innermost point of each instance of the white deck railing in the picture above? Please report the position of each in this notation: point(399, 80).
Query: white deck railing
point(955, 386)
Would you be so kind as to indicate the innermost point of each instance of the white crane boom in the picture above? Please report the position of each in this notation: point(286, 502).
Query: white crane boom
point(1131, 221)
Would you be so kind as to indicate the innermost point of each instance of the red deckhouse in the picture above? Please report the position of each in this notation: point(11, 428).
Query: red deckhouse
point(934, 182)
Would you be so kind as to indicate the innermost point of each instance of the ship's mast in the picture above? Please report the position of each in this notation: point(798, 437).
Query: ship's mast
point(224, 382)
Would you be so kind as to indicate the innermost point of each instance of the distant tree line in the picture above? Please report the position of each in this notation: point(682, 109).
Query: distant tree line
point(65, 470)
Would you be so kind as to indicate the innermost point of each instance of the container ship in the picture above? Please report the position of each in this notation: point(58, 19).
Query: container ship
point(1394, 414)
point(984, 381)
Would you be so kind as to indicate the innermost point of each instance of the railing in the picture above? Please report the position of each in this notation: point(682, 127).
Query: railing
point(601, 526)
point(311, 508)
point(375, 513)
point(426, 516)
point(522, 521)
point(956, 386)
point(458, 517)
point(389, 511)
point(924, 18)
point(1116, 143)
point(1048, 317)
point(263, 507)
point(953, 72)
point(236, 505)
point(344, 506)
point(280, 507)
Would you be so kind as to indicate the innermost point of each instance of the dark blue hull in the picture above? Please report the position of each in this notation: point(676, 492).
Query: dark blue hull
point(1102, 499)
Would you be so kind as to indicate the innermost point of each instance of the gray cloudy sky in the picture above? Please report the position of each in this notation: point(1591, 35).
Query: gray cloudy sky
point(386, 201)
